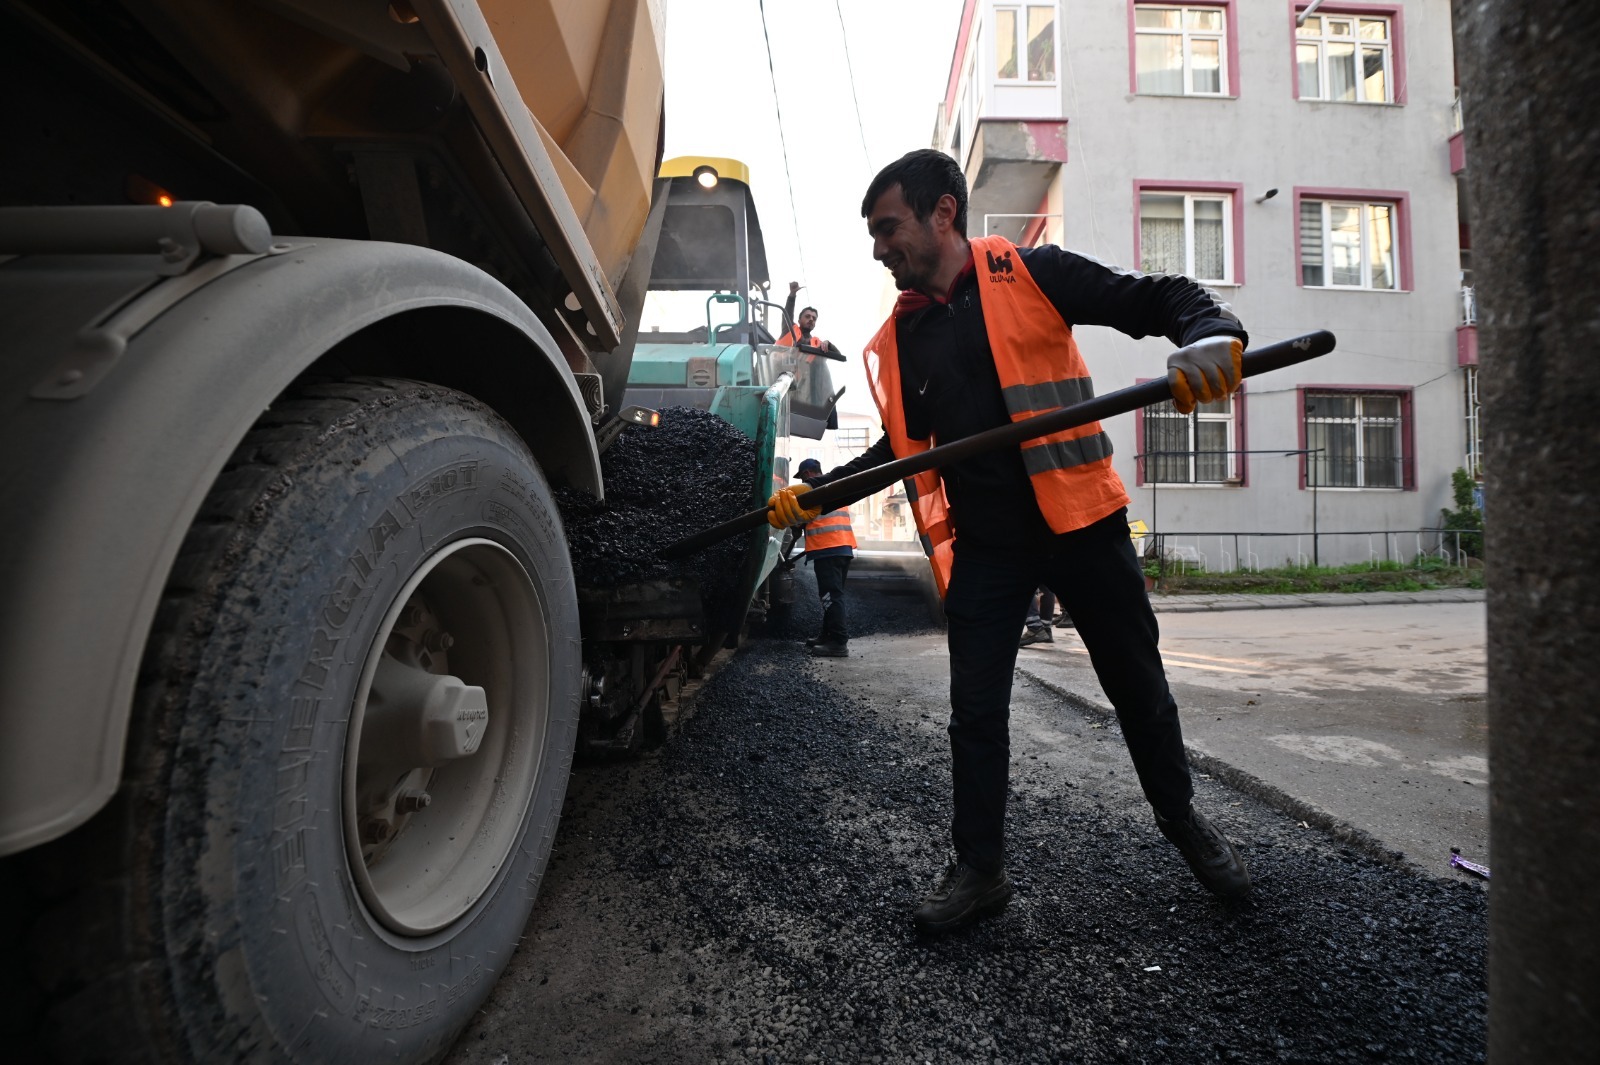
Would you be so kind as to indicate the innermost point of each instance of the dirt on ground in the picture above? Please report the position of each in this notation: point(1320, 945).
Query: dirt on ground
point(744, 895)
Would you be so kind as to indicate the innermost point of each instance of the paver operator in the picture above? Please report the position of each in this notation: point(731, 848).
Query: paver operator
point(980, 336)
point(800, 331)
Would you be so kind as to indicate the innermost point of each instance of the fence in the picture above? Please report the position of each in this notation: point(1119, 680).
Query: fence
point(1241, 551)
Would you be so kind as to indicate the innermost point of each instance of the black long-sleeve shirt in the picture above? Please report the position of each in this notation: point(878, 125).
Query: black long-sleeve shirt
point(951, 388)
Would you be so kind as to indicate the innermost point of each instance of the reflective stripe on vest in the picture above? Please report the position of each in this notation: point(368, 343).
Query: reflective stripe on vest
point(1040, 369)
point(830, 530)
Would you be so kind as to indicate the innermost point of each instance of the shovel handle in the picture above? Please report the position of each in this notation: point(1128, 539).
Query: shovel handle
point(847, 490)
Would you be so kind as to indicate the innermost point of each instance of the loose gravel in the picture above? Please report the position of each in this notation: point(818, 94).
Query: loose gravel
point(745, 896)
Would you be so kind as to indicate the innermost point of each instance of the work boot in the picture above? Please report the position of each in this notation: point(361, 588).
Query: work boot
point(812, 642)
point(823, 649)
point(1065, 621)
point(1041, 634)
point(1215, 862)
point(960, 897)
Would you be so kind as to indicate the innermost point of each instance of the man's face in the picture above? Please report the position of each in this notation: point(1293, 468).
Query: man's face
point(907, 246)
point(808, 321)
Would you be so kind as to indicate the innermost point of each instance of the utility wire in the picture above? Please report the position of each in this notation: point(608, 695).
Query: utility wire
point(850, 69)
point(794, 212)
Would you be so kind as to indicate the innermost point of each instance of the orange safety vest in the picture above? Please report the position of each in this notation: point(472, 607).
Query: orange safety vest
point(829, 530)
point(1040, 369)
point(792, 337)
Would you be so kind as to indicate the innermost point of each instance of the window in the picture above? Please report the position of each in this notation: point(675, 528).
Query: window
point(1356, 439)
point(1192, 448)
point(1345, 59)
point(1027, 34)
point(1187, 233)
point(1179, 50)
point(851, 439)
point(1349, 244)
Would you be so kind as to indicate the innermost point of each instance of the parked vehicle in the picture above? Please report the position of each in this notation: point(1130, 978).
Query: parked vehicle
point(305, 306)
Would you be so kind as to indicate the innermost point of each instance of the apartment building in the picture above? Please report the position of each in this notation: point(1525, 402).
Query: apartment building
point(1301, 159)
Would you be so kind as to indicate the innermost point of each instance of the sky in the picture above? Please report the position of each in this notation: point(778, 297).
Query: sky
point(720, 102)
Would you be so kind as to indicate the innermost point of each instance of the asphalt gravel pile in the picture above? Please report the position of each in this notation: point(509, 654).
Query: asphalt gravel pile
point(745, 896)
point(663, 483)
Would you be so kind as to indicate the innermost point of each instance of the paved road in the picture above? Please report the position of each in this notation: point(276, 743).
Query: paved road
point(1374, 714)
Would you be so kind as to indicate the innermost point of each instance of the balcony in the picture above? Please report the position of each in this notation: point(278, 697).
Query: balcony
point(1467, 328)
point(1009, 169)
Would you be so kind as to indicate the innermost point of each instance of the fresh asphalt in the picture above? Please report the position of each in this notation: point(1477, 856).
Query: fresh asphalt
point(1361, 713)
point(744, 894)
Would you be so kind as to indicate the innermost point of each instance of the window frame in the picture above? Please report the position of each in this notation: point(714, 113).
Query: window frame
point(1395, 15)
point(1020, 40)
point(1400, 204)
point(843, 441)
point(1407, 434)
point(1233, 229)
point(1238, 443)
point(1229, 51)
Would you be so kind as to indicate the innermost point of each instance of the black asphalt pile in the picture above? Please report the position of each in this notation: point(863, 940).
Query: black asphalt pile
point(745, 896)
point(692, 471)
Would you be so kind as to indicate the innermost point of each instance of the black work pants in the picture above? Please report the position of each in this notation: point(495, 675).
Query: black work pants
point(1098, 580)
point(831, 572)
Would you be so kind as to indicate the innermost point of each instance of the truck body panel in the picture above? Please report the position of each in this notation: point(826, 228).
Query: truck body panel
point(115, 477)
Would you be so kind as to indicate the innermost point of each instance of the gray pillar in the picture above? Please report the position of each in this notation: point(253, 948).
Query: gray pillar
point(1530, 84)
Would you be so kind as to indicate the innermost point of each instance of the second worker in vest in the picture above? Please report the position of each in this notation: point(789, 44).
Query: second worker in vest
point(800, 331)
point(982, 335)
point(830, 545)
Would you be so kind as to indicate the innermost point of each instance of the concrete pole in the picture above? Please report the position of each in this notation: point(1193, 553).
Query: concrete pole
point(1530, 83)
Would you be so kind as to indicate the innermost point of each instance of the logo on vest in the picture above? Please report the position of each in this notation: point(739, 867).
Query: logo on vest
point(1000, 269)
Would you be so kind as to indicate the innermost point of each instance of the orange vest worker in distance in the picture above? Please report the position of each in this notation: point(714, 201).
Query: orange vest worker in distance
point(830, 547)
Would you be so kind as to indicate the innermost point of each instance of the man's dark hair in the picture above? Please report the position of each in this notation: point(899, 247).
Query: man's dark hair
point(923, 176)
point(813, 310)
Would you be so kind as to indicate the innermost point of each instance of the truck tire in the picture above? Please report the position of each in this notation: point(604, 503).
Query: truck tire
point(348, 760)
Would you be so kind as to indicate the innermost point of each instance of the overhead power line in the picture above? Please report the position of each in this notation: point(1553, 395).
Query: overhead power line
point(794, 213)
point(850, 69)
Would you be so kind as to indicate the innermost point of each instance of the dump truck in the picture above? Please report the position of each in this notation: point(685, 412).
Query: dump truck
point(306, 305)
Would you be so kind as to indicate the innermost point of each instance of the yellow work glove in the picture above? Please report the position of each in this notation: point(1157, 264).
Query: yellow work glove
point(784, 509)
point(1208, 369)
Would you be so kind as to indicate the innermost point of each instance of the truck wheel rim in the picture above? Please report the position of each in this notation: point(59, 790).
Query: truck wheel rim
point(446, 730)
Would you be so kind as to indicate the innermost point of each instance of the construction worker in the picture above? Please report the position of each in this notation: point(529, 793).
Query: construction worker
point(800, 331)
point(982, 335)
point(830, 545)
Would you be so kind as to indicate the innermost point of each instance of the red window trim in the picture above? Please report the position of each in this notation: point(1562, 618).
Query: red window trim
point(1402, 206)
point(1397, 39)
point(1408, 441)
point(1233, 188)
point(1230, 31)
point(1240, 433)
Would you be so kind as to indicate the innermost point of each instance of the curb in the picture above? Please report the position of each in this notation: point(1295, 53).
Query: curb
point(1340, 831)
point(1189, 604)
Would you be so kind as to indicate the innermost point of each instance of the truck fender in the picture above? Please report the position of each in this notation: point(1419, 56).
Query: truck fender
point(101, 488)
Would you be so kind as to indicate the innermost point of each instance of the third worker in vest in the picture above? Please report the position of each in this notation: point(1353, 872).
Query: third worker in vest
point(830, 545)
point(982, 335)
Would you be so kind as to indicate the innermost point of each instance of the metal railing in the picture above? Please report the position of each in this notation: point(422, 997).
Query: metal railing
point(1469, 306)
point(1237, 552)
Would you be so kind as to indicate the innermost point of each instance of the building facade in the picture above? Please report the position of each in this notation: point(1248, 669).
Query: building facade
point(1300, 159)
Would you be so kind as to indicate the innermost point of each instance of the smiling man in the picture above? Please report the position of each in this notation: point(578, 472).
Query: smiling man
point(980, 336)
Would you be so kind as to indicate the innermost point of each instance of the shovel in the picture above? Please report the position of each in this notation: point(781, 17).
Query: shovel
point(847, 490)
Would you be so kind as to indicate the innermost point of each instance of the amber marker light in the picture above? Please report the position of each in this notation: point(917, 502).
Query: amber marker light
point(164, 200)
